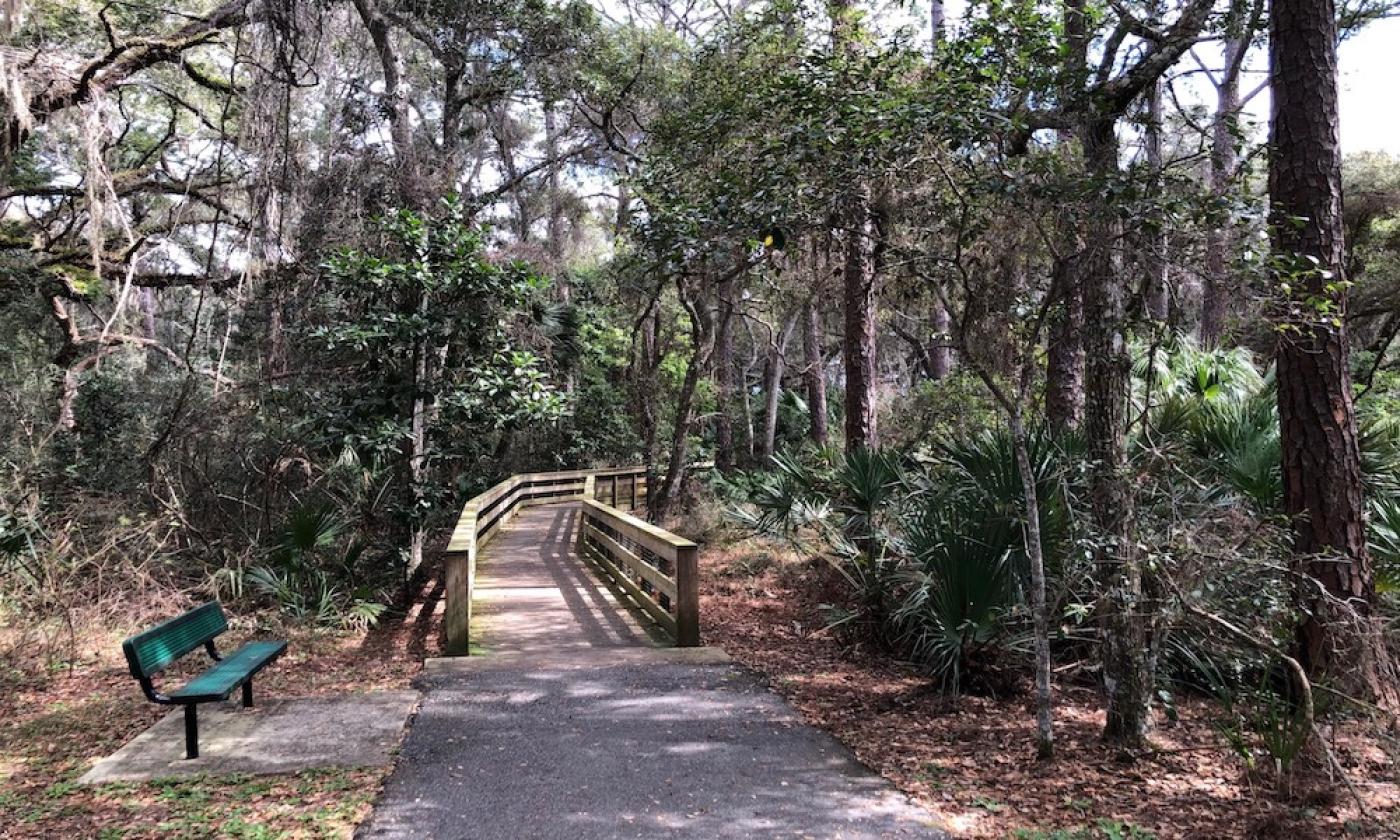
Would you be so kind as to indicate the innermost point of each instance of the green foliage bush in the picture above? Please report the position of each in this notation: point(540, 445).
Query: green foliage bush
point(930, 542)
point(311, 573)
point(170, 487)
point(932, 551)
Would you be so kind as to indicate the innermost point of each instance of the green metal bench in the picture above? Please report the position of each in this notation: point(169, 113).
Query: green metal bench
point(153, 651)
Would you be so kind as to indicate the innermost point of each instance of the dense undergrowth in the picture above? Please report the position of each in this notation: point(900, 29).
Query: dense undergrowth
point(968, 758)
point(929, 543)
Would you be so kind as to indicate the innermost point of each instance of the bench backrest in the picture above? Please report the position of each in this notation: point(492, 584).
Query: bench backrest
point(153, 651)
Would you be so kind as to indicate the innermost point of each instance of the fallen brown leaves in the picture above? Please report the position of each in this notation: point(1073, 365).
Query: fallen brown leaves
point(52, 728)
point(971, 759)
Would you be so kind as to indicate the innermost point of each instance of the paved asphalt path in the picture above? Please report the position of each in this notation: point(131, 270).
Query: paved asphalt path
point(601, 734)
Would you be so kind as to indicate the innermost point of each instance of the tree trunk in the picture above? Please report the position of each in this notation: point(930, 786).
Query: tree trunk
point(773, 387)
point(1157, 293)
point(554, 229)
point(940, 351)
point(395, 99)
point(147, 298)
point(1064, 366)
point(1012, 402)
point(660, 502)
point(1040, 613)
point(453, 104)
point(1322, 492)
point(814, 372)
point(1126, 661)
point(724, 379)
point(702, 337)
point(554, 245)
point(622, 216)
point(746, 407)
point(418, 449)
point(646, 358)
point(501, 130)
point(1216, 297)
point(856, 223)
point(858, 306)
point(277, 292)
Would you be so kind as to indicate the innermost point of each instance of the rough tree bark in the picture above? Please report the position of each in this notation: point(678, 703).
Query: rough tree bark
point(936, 17)
point(412, 193)
point(940, 347)
point(1215, 297)
point(724, 379)
point(554, 245)
point(522, 220)
point(622, 213)
point(856, 223)
point(750, 445)
point(1108, 365)
point(1322, 492)
point(395, 100)
point(554, 230)
point(1064, 364)
point(940, 351)
point(858, 300)
point(1126, 618)
point(418, 444)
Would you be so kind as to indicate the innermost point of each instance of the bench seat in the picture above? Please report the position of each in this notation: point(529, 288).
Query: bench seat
point(233, 670)
point(151, 652)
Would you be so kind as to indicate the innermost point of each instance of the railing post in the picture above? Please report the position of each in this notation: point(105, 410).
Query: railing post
point(458, 618)
point(688, 596)
point(582, 526)
point(459, 580)
point(589, 491)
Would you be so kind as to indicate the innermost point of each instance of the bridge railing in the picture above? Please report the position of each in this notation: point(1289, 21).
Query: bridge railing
point(658, 569)
point(484, 515)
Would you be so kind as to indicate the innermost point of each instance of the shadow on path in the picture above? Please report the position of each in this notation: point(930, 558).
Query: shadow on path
point(653, 749)
point(574, 724)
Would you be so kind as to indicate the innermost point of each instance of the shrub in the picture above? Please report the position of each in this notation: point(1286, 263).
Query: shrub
point(313, 576)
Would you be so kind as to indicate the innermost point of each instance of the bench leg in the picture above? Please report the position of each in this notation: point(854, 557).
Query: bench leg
point(191, 731)
point(248, 694)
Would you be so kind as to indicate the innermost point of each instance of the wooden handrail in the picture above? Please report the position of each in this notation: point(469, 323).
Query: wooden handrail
point(483, 516)
point(657, 568)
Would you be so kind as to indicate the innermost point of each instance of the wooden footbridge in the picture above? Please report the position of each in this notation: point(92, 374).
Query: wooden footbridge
point(592, 712)
point(656, 569)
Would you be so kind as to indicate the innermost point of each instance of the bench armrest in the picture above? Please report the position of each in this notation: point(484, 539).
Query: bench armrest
point(148, 688)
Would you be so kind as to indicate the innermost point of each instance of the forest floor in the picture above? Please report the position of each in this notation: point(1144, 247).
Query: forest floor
point(967, 758)
point(54, 726)
point(971, 759)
